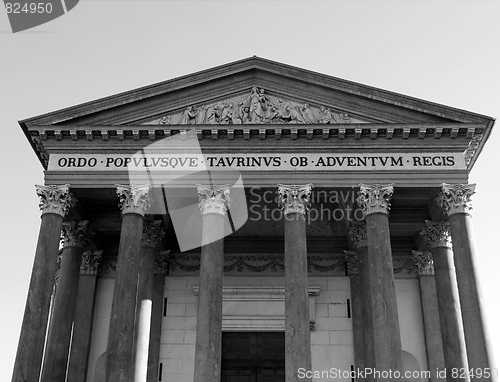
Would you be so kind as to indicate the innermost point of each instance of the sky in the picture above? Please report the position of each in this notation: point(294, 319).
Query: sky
point(442, 51)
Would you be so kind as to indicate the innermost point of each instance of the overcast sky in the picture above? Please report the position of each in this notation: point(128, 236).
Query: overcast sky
point(442, 51)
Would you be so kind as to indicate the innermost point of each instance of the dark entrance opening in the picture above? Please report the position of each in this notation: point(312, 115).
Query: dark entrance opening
point(253, 357)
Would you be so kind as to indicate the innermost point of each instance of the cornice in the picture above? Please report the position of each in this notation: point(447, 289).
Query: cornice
point(473, 132)
point(261, 131)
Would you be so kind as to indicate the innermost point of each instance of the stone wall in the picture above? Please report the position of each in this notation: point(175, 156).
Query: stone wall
point(331, 340)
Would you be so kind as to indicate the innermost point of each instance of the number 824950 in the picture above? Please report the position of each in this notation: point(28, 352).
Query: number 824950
point(28, 7)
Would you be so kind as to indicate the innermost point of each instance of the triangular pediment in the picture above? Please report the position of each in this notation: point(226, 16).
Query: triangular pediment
point(293, 96)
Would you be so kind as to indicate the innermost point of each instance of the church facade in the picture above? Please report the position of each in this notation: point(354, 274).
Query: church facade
point(255, 222)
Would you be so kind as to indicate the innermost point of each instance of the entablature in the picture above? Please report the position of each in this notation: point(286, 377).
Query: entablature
point(466, 138)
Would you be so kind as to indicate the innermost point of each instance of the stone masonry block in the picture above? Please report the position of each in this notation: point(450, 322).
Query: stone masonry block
point(172, 336)
point(175, 309)
point(179, 351)
point(179, 323)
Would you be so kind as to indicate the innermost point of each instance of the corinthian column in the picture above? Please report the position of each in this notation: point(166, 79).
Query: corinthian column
point(214, 201)
point(151, 237)
point(134, 202)
point(357, 234)
point(294, 200)
point(84, 314)
point(452, 333)
point(457, 204)
point(424, 267)
point(75, 237)
point(357, 300)
point(160, 271)
point(55, 203)
point(374, 199)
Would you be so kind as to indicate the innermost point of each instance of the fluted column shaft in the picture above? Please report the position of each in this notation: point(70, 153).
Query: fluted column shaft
point(134, 202)
point(457, 204)
point(55, 203)
point(374, 199)
point(452, 332)
point(214, 201)
point(294, 203)
point(63, 312)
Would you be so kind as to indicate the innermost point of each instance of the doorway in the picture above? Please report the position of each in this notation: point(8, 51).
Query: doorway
point(253, 357)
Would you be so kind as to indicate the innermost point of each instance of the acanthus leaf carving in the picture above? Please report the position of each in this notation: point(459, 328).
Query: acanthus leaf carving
point(91, 262)
point(213, 199)
point(294, 198)
point(471, 149)
point(437, 233)
point(352, 263)
point(456, 198)
point(152, 233)
point(75, 234)
point(133, 198)
point(357, 234)
point(375, 198)
point(424, 264)
point(161, 262)
point(55, 199)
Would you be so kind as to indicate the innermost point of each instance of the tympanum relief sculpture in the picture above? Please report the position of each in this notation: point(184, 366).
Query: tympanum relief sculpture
point(255, 108)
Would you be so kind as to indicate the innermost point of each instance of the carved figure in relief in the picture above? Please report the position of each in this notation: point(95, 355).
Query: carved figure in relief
point(238, 114)
point(188, 116)
point(211, 118)
point(326, 116)
point(282, 114)
point(226, 116)
point(257, 105)
point(256, 108)
point(201, 113)
point(243, 112)
point(307, 114)
point(344, 118)
point(165, 120)
point(295, 114)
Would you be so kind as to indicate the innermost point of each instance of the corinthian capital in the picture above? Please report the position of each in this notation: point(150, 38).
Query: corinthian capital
point(152, 233)
point(91, 261)
point(352, 261)
point(214, 199)
point(375, 198)
point(161, 263)
point(55, 199)
point(357, 234)
point(437, 233)
point(75, 234)
point(424, 265)
point(294, 198)
point(456, 198)
point(134, 199)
